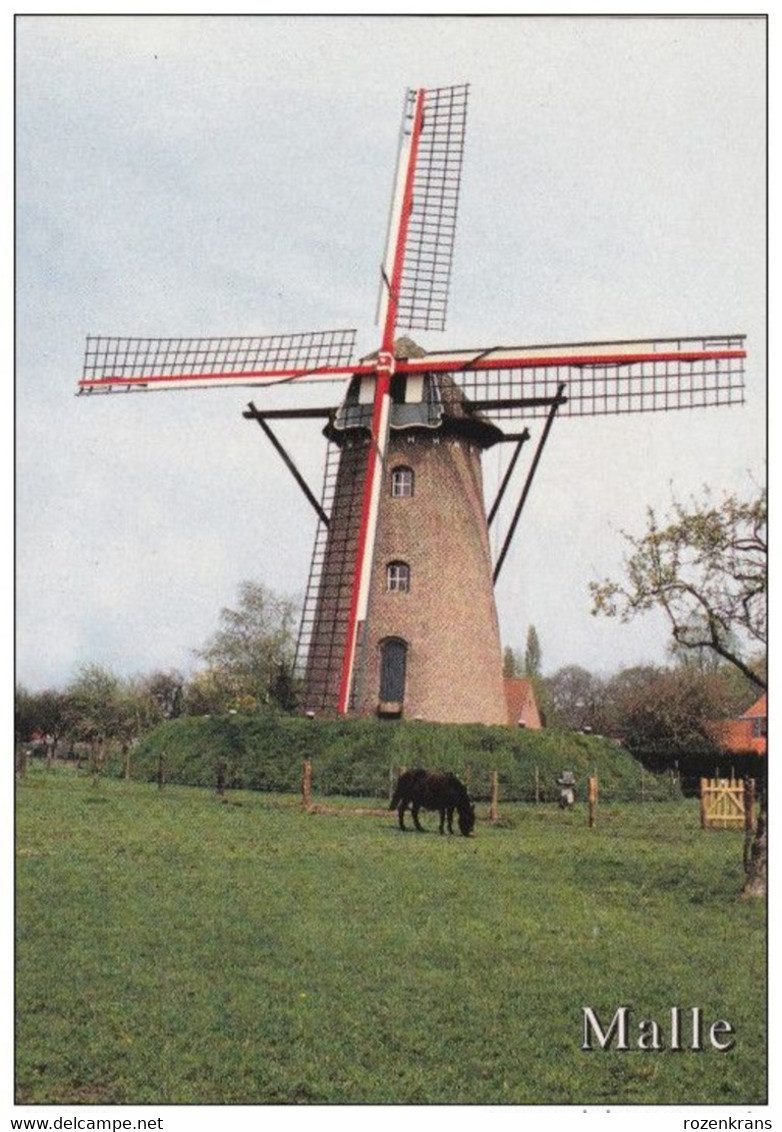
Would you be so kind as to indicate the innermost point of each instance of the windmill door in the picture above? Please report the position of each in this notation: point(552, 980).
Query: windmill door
point(393, 665)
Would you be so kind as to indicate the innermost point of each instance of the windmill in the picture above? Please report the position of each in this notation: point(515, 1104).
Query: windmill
point(399, 616)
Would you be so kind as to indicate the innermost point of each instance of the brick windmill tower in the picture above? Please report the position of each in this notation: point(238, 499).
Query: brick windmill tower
point(399, 616)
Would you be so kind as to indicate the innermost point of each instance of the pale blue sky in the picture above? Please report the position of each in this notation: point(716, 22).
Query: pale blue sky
point(203, 176)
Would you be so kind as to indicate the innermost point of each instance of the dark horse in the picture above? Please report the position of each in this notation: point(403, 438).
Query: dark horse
point(433, 790)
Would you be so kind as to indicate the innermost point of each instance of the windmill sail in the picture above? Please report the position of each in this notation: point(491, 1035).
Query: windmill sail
point(126, 364)
point(601, 378)
point(436, 154)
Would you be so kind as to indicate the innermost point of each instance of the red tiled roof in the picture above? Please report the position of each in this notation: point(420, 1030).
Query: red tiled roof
point(742, 736)
point(522, 707)
point(758, 708)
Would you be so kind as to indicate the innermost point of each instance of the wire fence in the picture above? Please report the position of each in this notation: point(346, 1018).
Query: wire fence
point(370, 784)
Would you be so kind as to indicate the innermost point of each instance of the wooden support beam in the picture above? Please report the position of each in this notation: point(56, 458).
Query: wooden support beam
point(522, 439)
point(555, 403)
point(253, 414)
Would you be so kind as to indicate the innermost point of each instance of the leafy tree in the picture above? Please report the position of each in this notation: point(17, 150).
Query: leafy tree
point(574, 697)
point(26, 715)
point(532, 653)
point(705, 568)
point(665, 716)
point(166, 691)
point(618, 695)
point(212, 691)
point(250, 657)
point(42, 712)
point(93, 704)
point(509, 662)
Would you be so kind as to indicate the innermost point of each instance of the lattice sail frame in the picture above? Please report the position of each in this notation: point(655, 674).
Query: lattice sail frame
point(600, 378)
point(115, 364)
point(424, 284)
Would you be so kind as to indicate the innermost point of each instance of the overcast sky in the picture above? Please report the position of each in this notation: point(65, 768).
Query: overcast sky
point(219, 175)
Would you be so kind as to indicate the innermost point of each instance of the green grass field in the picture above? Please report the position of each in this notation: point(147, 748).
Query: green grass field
point(172, 949)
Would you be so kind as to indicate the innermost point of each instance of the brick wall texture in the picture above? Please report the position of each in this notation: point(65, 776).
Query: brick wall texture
point(448, 618)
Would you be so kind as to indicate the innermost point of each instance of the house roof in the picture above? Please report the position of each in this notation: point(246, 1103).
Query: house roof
point(746, 734)
point(759, 708)
point(522, 706)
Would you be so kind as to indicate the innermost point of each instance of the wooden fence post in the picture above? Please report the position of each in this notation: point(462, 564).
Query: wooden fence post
point(306, 785)
point(704, 784)
point(495, 792)
point(592, 799)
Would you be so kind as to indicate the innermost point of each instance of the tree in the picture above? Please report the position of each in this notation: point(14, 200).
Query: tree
point(40, 719)
point(165, 690)
point(705, 568)
point(209, 693)
point(665, 716)
point(532, 653)
point(250, 658)
point(93, 700)
point(574, 697)
point(42, 712)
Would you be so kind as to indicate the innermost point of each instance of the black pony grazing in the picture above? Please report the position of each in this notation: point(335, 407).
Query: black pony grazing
point(433, 790)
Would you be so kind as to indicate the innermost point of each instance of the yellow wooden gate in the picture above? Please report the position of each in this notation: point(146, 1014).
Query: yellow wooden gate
point(727, 803)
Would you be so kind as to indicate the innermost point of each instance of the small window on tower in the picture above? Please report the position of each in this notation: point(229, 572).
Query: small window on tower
point(402, 482)
point(398, 577)
point(398, 387)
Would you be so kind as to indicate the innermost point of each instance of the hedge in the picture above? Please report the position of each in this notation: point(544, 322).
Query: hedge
point(360, 757)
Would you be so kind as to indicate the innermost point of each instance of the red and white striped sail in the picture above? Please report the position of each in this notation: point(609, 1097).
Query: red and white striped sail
point(114, 365)
point(602, 378)
point(648, 375)
point(417, 273)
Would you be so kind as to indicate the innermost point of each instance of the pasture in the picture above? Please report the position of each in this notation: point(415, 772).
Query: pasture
point(173, 949)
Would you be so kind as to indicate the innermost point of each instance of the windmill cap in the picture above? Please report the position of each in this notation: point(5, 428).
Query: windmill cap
point(404, 348)
point(438, 405)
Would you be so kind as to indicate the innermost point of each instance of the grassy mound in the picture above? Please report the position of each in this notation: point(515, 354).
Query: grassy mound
point(361, 757)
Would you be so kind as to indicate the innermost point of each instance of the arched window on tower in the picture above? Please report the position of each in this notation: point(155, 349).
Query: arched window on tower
point(393, 665)
point(402, 482)
point(397, 577)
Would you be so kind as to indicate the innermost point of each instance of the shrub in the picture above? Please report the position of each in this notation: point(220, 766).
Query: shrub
point(361, 757)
